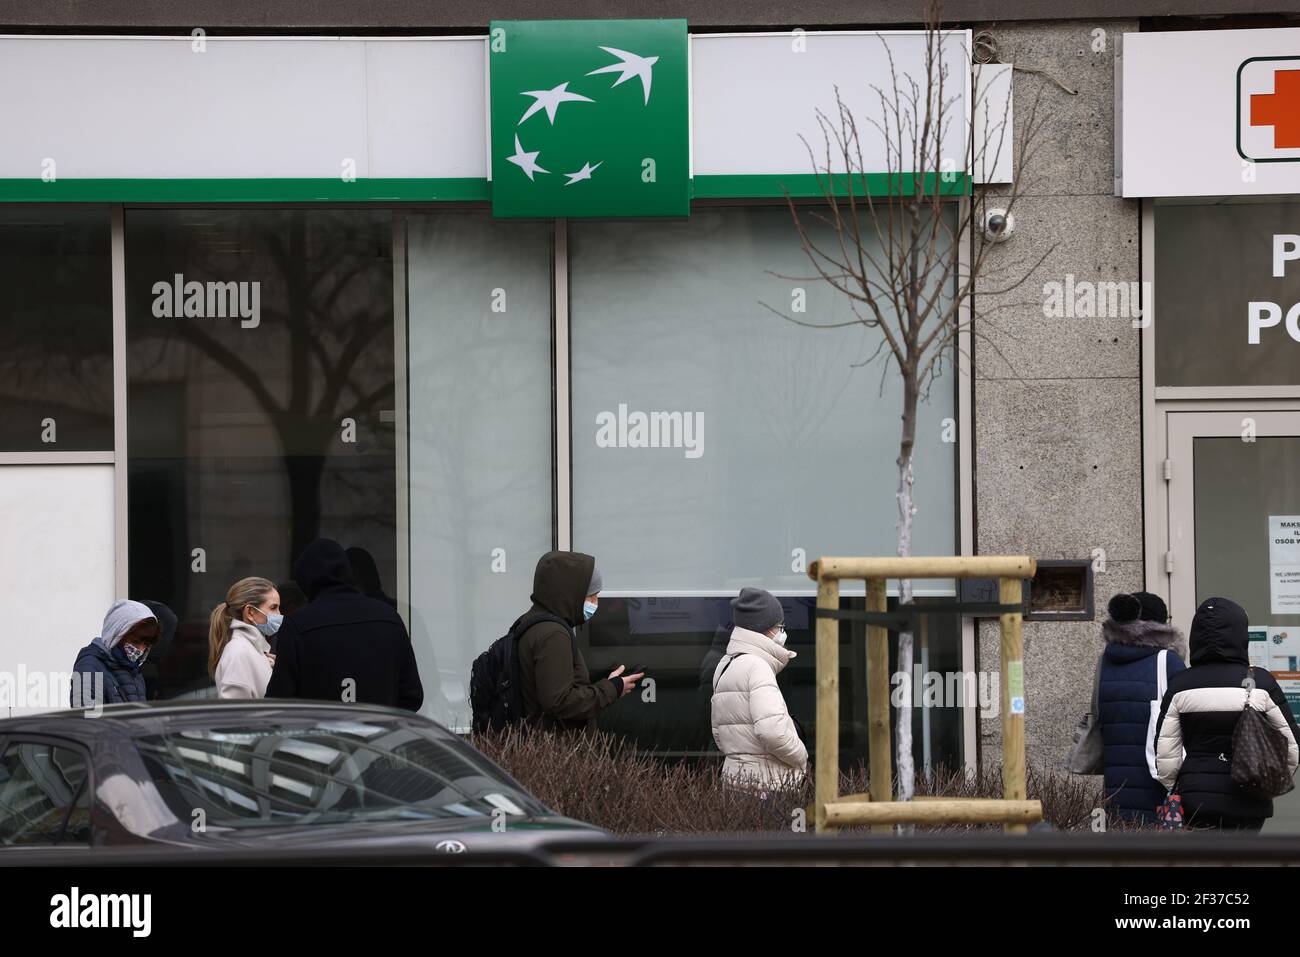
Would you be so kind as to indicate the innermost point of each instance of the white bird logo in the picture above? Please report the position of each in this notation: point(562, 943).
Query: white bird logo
point(550, 101)
point(630, 65)
point(526, 161)
point(584, 173)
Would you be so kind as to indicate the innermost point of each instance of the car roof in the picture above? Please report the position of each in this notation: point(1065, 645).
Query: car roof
point(119, 718)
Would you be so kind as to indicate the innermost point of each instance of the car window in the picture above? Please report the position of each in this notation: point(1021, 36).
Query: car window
point(44, 798)
point(303, 771)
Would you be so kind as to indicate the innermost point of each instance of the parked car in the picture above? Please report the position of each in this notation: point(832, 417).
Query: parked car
point(237, 774)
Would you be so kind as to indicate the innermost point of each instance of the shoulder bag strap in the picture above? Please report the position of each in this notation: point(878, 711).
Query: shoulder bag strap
point(730, 659)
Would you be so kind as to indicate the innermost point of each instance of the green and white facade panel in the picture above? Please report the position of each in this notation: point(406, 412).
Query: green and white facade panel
point(313, 119)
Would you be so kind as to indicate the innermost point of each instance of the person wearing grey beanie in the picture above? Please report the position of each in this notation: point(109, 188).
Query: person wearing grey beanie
point(756, 609)
point(751, 723)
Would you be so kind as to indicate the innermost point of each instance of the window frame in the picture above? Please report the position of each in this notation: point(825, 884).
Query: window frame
point(100, 456)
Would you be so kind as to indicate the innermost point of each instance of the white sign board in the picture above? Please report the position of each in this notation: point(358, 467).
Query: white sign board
point(1209, 113)
point(1284, 563)
point(161, 108)
point(755, 97)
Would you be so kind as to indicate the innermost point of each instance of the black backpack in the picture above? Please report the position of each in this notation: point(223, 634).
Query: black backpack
point(494, 695)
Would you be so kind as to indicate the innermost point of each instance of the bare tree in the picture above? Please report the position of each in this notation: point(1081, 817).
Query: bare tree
point(892, 251)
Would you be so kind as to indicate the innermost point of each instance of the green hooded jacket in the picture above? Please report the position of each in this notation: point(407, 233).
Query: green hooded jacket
point(554, 682)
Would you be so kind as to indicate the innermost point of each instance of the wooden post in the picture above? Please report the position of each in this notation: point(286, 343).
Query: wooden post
point(829, 811)
point(924, 566)
point(827, 768)
point(1013, 699)
point(937, 811)
point(878, 738)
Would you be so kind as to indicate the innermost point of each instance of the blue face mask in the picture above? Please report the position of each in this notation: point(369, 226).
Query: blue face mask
point(588, 609)
point(271, 625)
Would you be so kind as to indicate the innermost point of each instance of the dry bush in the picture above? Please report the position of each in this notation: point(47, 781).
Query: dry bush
point(602, 779)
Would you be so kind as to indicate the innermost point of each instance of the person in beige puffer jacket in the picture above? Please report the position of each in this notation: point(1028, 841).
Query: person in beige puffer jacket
point(751, 723)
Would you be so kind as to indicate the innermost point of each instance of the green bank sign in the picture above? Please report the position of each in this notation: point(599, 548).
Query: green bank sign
point(589, 118)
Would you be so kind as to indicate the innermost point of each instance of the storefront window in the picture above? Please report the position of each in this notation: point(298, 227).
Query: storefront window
point(1227, 278)
point(716, 444)
point(481, 437)
point(260, 369)
point(714, 441)
point(56, 330)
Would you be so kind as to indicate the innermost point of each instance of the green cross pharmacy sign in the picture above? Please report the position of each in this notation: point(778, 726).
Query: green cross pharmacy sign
point(589, 118)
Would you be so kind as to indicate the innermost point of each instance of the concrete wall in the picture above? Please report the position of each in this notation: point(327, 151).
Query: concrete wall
point(1058, 401)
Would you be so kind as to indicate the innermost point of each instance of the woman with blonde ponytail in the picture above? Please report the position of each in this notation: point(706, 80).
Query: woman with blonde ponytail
point(239, 655)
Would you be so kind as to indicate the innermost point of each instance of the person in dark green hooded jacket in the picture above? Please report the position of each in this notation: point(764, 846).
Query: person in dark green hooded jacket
point(554, 683)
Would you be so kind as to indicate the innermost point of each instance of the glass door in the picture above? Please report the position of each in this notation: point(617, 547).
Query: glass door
point(1234, 532)
point(1234, 509)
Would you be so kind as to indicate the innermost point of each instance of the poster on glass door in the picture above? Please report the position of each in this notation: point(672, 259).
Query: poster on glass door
point(1284, 662)
point(1284, 563)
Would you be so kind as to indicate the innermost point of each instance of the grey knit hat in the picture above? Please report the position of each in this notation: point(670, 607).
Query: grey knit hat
point(597, 583)
point(756, 610)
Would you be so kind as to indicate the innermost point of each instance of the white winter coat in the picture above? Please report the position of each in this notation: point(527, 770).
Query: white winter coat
point(243, 668)
point(751, 723)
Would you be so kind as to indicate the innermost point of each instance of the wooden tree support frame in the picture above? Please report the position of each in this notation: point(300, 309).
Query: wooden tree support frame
point(879, 809)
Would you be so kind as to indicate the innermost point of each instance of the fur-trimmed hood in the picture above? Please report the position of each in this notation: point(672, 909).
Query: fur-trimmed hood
point(1142, 634)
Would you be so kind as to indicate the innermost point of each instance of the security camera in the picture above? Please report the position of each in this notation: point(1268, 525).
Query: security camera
point(998, 225)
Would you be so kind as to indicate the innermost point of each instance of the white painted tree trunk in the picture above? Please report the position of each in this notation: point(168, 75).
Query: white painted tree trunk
point(906, 511)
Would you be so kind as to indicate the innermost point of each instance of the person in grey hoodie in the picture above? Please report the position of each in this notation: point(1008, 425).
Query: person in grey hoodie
point(107, 671)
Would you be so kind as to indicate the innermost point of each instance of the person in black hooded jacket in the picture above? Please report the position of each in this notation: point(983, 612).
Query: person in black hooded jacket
point(342, 646)
point(554, 683)
point(1199, 713)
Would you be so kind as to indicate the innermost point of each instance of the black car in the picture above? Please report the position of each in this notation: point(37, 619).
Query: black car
point(265, 774)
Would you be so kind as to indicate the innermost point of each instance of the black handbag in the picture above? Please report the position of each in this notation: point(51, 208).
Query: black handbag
point(1259, 753)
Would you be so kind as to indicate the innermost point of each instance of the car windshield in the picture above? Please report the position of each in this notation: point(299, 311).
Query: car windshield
point(296, 771)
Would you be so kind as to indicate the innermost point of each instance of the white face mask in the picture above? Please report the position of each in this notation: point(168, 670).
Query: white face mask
point(780, 637)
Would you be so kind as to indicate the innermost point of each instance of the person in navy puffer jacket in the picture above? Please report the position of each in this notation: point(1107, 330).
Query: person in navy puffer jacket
point(1136, 633)
point(107, 671)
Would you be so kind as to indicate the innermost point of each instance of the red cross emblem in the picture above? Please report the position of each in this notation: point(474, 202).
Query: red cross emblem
point(1279, 109)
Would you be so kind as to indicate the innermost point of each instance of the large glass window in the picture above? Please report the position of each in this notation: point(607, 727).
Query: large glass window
point(56, 330)
point(717, 444)
point(261, 385)
point(714, 441)
point(480, 430)
point(1227, 279)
